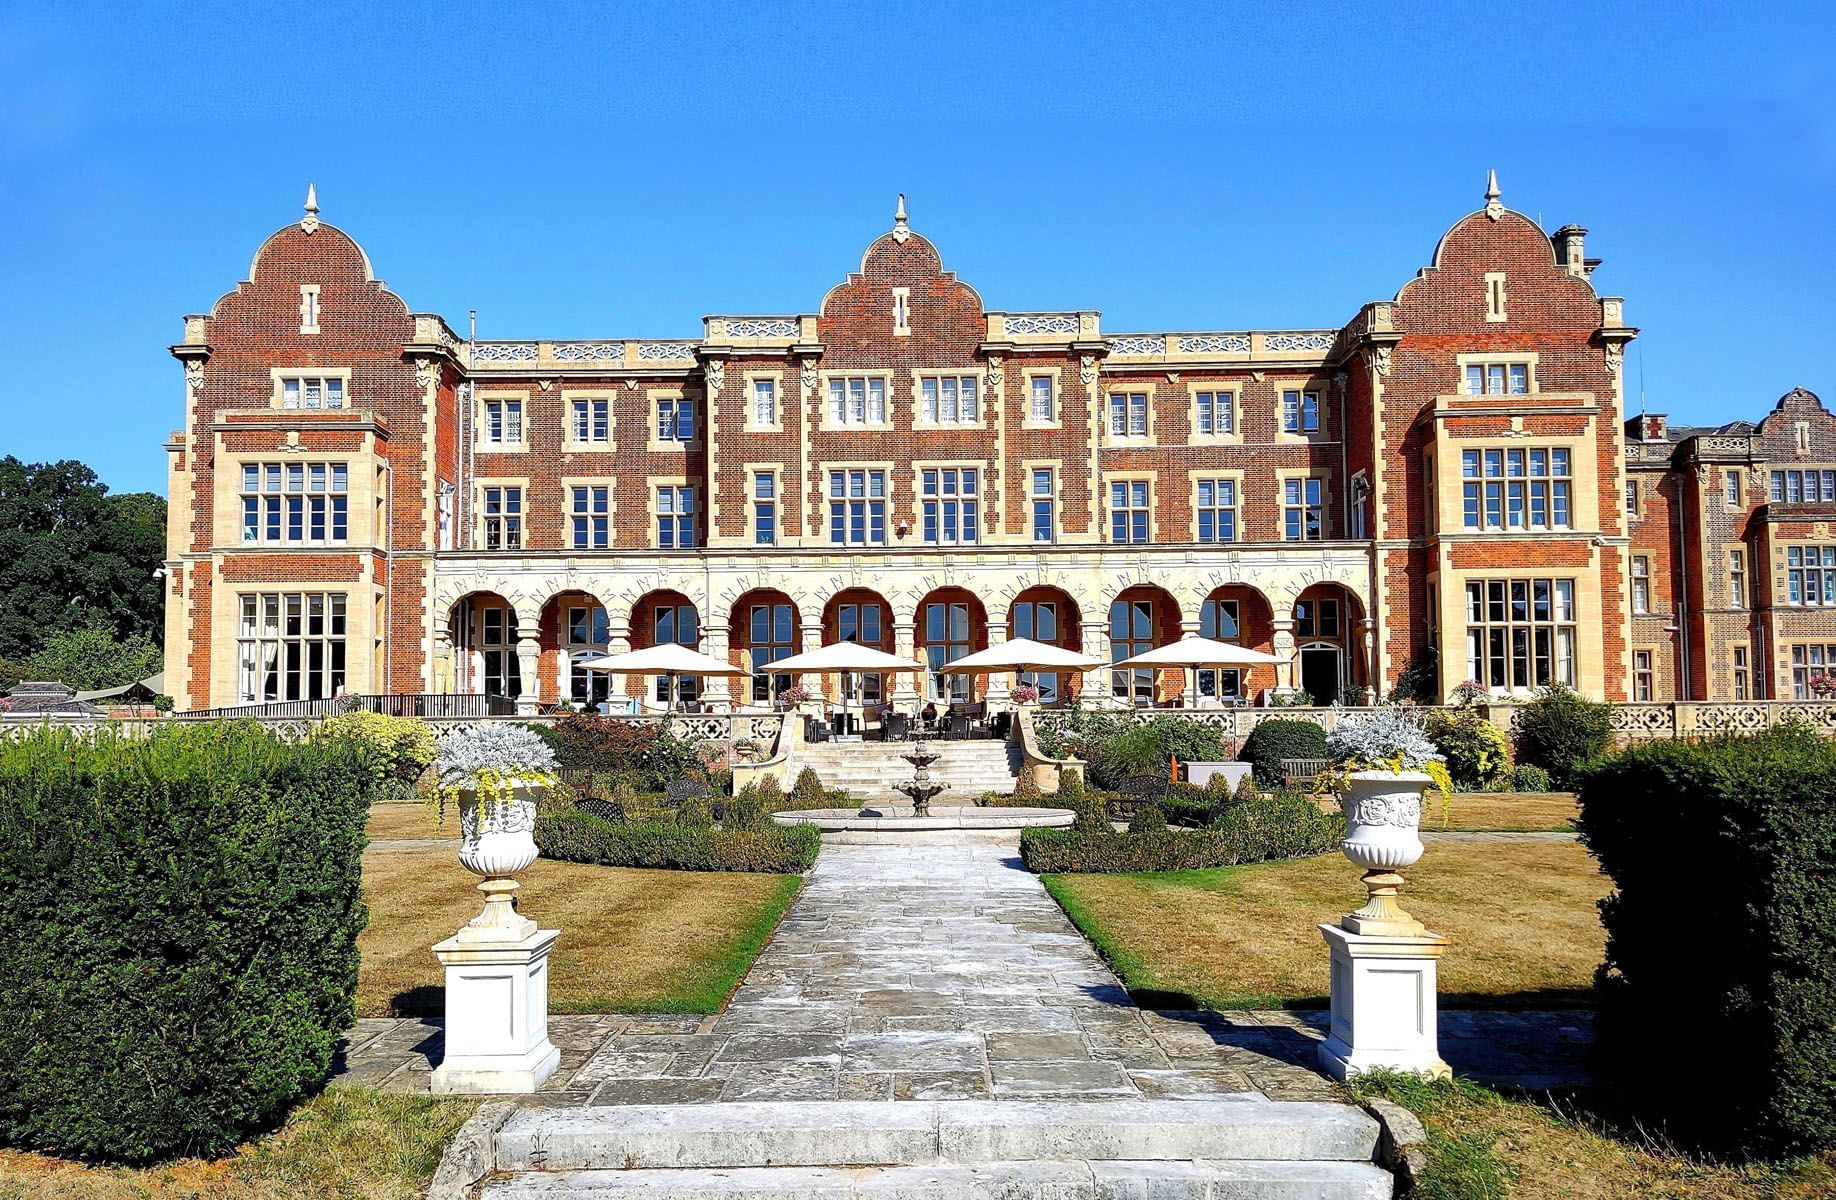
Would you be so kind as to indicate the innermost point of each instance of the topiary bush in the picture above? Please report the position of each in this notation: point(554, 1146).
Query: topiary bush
point(808, 791)
point(1275, 827)
point(749, 810)
point(1148, 819)
point(181, 917)
point(1717, 999)
point(1026, 788)
point(583, 838)
point(1272, 741)
point(1475, 749)
point(399, 748)
point(1528, 777)
point(1563, 731)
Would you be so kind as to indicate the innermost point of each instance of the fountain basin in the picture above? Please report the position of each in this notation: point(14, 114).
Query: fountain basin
point(881, 823)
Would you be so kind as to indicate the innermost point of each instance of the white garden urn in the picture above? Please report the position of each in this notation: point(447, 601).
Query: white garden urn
point(497, 840)
point(1383, 817)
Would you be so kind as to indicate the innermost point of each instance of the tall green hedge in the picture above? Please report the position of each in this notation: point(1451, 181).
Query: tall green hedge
point(1717, 999)
point(181, 919)
point(1282, 738)
point(585, 838)
point(1283, 825)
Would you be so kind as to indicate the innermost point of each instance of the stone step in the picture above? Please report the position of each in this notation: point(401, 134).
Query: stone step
point(1033, 1180)
point(924, 1133)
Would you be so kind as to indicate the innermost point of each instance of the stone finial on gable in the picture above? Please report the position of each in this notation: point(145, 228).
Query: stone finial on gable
point(900, 230)
point(1493, 207)
point(311, 221)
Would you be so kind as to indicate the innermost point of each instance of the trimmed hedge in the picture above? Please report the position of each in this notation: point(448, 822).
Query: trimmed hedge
point(583, 838)
point(1717, 999)
point(181, 917)
point(1275, 827)
point(1272, 741)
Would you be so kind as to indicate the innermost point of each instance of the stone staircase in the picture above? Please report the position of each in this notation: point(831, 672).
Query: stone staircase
point(1246, 1148)
point(868, 770)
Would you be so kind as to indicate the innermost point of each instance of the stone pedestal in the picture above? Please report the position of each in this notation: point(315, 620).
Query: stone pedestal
point(1383, 1004)
point(496, 1012)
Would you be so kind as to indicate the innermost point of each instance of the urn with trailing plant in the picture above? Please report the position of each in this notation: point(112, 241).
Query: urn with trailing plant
point(1382, 767)
point(493, 776)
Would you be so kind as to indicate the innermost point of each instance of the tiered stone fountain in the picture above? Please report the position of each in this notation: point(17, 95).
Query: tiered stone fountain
point(921, 822)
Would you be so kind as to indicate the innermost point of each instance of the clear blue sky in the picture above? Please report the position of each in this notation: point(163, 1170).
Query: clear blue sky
point(618, 171)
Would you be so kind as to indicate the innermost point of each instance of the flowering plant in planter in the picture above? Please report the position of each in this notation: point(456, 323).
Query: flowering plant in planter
point(1821, 685)
point(1386, 740)
point(796, 693)
point(1470, 692)
point(493, 761)
point(1026, 693)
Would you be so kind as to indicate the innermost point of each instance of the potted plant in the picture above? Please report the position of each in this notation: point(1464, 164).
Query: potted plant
point(1025, 695)
point(802, 699)
point(1382, 765)
point(493, 774)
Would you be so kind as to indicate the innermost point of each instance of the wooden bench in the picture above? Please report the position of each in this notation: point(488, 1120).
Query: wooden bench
point(1301, 772)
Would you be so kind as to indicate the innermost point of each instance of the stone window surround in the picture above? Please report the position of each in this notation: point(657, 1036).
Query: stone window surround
point(830, 425)
point(893, 521)
point(776, 378)
point(753, 471)
point(1027, 467)
point(1234, 390)
point(1497, 300)
point(1153, 500)
point(1584, 478)
point(1304, 437)
point(568, 397)
point(657, 445)
point(651, 484)
point(310, 308)
point(360, 500)
point(1235, 477)
point(1056, 375)
point(568, 484)
point(479, 485)
point(279, 375)
point(1120, 387)
point(982, 399)
point(1327, 499)
point(483, 445)
point(1490, 358)
point(986, 504)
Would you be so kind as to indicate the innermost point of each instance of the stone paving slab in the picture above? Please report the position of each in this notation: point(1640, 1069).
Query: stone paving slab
point(945, 973)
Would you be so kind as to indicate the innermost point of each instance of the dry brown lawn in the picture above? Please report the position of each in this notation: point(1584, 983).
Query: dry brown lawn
point(1505, 811)
point(397, 821)
point(631, 940)
point(1522, 915)
point(345, 1144)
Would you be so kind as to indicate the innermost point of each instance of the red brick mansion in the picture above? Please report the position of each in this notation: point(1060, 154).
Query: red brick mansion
point(1443, 487)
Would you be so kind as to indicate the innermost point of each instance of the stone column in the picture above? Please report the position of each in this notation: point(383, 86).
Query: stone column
point(906, 695)
point(718, 690)
point(1283, 649)
point(1000, 693)
point(443, 678)
point(618, 641)
point(1097, 690)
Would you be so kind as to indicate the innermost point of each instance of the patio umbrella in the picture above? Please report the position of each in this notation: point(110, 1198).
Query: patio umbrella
point(1021, 654)
point(668, 659)
point(1196, 653)
point(852, 657)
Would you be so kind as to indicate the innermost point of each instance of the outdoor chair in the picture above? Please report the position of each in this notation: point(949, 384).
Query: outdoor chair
point(1138, 791)
point(896, 728)
point(679, 791)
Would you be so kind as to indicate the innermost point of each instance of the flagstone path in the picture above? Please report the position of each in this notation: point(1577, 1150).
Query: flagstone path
point(945, 972)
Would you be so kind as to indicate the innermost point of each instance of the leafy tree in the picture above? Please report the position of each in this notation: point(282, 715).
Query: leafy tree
point(73, 556)
point(92, 657)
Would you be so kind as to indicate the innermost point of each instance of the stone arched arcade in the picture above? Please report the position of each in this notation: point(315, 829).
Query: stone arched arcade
point(1314, 602)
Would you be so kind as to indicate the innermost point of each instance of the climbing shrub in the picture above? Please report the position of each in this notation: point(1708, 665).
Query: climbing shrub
point(584, 838)
point(181, 917)
point(1275, 827)
point(1719, 937)
point(1272, 741)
